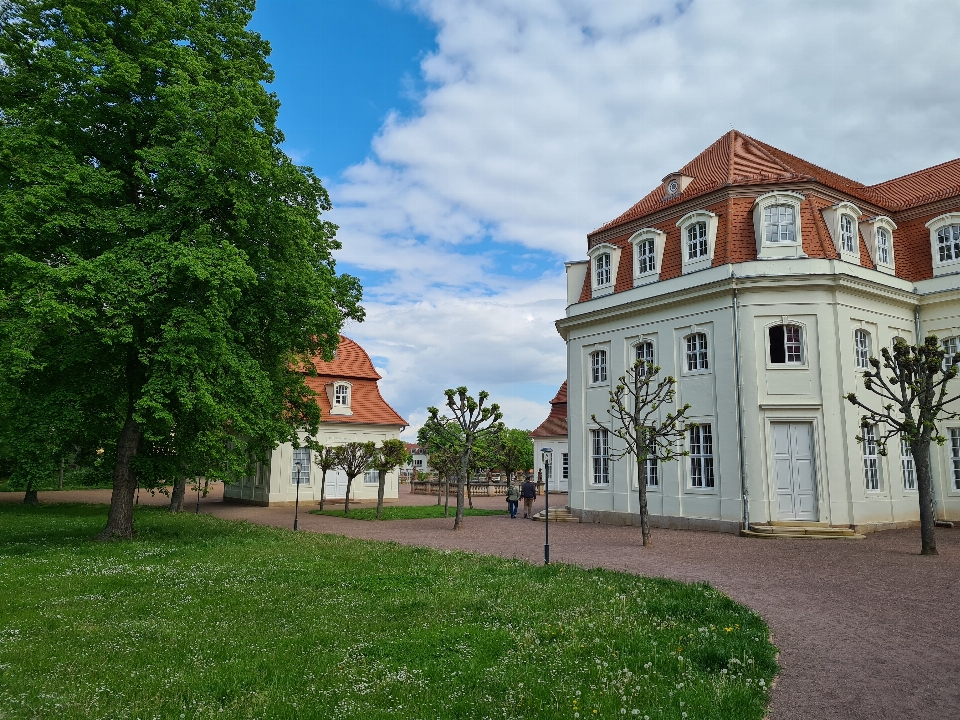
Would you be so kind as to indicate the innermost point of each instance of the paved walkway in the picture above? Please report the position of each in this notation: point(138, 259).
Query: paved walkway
point(867, 629)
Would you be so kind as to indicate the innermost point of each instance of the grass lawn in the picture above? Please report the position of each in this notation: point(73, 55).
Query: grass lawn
point(206, 618)
point(406, 512)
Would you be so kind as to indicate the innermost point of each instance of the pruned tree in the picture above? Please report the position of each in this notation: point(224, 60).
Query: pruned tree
point(440, 443)
point(326, 459)
point(913, 399)
point(157, 241)
point(354, 458)
point(650, 435)
point(390, 455)
point(470, 422)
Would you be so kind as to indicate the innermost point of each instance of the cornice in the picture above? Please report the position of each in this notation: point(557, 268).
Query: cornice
point(940, 207)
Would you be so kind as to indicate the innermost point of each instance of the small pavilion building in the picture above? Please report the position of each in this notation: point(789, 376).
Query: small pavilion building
point(552, 433)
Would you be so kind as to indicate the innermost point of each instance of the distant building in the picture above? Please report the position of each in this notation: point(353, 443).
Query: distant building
point(552, 433)
point(752, 263)
point(420, 461)
point(352, 410)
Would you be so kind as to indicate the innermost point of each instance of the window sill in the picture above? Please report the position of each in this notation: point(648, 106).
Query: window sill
point(601, 291)
point(701, 491)
point(787, 366)
point(693, 373)
point(696, 265)
point(645, 279)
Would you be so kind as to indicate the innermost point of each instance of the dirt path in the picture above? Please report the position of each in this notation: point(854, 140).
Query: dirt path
point(867, 629)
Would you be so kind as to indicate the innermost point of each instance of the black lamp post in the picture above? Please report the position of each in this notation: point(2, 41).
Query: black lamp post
point(296, 504)
point(547, 454)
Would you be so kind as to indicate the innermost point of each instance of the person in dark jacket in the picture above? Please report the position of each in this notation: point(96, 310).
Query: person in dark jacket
point(528, 491)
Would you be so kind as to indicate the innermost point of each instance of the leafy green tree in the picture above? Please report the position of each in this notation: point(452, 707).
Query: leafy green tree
point(326, 459)
point(637, 418)
point(914, 399)
point(161, 255)
point(469, 423)
point(444, 455)
point(354, 458)
point(389, 456)
point(513, 452)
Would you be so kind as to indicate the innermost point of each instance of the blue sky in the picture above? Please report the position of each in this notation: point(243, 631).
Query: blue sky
point(470, 145)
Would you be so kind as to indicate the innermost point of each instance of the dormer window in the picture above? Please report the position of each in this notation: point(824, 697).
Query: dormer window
point(341, 394)
point(883, 246)
point(878, 236)
point(945, 243)
point(648, 246)
point(780, 224)
point(605, 260)
point(843, 222)
point(699, 232)
point(674, 184)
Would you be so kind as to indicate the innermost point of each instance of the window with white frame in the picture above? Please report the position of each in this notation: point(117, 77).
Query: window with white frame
point(846, 234)
point(948, 243)
point(565, 465)
point(951, 352)
point(644, 355)
point(861, 346)
point(871, 459)
point(883, 246)
point(701, 456)
point(341, 394)
point(651, 473)
point(646, 256)
point(780, 224)
point(600, 456)
point(697, 241)
point(909, 469)
point(598, 366)
point(301, 456)
point(602, 271)
point(786, 346)
point(696, 352)
point(371, 477)
point(955, 456)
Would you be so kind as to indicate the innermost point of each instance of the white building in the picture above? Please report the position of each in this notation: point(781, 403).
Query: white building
point(419, 461)
point(552, 433)
point(752, 263)
point(352, 410)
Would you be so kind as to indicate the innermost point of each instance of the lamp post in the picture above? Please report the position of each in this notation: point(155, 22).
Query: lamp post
point(547, 454)
point(296, 504)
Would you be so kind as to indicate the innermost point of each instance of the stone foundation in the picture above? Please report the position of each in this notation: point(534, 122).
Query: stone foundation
point(669, 522)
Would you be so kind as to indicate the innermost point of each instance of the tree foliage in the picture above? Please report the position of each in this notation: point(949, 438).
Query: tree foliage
point(354, 458)
point(513, 452)
point(390, 455)
point(914, 399)
point(637, 417)
point(325, 457)
point(164, 271)
point(470, 422)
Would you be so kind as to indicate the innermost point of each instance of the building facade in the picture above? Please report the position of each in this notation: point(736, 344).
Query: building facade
point(352, 410)
point(552, 433)
point(763, 284)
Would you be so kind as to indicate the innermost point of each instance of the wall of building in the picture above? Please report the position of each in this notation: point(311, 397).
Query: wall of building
point(559, 446)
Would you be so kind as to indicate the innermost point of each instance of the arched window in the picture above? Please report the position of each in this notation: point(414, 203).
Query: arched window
point(644, 354)
point(883, 246)
point(602, 269)
point(846, 233)
point(598, 366)
point(780, 224)
point(948, 243)
point(697, 241)
point(696, 352)
point(786, 346)
point(861, 347)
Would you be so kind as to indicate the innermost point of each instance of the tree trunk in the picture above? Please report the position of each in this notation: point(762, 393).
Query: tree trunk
point(61, 475)
point(323, 487)
point(178, 494)
point(458, 521)
point(446, 500)
point(469, 494)
point(383, 481)
point(644, 519)
point(346, 500)
point(439, 490)
point(120, 518)
point(921, 461)
point(30, 496)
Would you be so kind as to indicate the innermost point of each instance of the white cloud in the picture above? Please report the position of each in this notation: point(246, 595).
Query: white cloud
point(546, 118)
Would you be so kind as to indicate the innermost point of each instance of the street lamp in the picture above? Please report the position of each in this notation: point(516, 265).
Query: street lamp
point(296, 504)
point(547, 454)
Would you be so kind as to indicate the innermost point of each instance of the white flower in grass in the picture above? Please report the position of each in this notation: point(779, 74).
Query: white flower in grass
point(762, 683)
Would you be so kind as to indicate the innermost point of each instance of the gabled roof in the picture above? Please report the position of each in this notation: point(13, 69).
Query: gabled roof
point(556, 423)
point(920, 187)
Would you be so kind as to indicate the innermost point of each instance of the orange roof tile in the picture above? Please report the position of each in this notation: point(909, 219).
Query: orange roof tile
point(350, 361)
point(556, 423)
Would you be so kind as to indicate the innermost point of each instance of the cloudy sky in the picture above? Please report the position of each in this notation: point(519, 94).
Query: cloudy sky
point(469, 145)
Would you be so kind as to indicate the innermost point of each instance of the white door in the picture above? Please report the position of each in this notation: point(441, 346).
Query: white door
point(336, 484)
point(794, 471)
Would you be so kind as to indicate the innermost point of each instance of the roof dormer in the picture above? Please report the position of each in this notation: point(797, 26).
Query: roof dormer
point(674, 184)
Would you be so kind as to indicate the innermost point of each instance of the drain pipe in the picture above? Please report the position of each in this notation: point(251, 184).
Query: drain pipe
point(736, 361)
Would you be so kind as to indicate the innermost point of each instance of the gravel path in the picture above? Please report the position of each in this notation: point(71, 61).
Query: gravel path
point(866, 629)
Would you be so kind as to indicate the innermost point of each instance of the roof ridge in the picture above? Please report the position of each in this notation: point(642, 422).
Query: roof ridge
point(763, 150)
point(914, 173)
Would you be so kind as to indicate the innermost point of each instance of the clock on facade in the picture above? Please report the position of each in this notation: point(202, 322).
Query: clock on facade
point(673, 187)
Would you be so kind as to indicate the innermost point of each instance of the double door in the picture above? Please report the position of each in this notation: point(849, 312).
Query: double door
point(795, 473)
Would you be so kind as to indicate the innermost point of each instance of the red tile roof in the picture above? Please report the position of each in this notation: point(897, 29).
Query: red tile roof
point(352, 364)
point(556, 423)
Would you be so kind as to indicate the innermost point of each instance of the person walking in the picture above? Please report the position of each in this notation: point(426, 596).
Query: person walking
point(513, 499)
point(528, 491)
